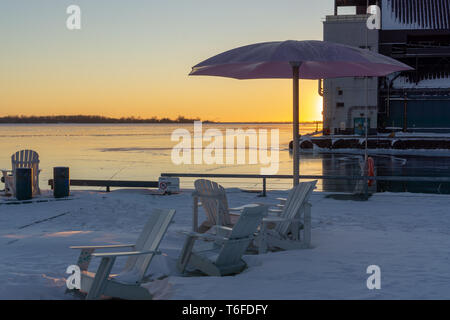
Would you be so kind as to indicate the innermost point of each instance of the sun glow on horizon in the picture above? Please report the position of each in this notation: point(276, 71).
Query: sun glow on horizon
point(138, 66)
point(319, 109)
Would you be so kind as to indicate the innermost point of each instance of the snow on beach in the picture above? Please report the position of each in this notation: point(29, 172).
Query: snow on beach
point(407, 235)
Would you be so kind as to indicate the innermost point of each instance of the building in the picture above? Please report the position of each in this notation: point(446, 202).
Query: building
point(415, 32)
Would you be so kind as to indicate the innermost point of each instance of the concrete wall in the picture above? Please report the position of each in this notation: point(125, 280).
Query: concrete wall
point(345, 98)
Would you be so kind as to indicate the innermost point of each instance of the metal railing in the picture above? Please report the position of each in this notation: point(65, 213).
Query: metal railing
point(308, 177)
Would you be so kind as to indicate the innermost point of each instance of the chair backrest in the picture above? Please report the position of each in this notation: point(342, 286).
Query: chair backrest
point(149, 240)
point(214, 201)
point(240, 236)
point(26, 159)
point(297, 197)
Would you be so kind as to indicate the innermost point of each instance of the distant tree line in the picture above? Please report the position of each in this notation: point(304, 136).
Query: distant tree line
point(92, 119)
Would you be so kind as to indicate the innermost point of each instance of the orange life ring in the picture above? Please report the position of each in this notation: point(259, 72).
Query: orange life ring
point(370, 170)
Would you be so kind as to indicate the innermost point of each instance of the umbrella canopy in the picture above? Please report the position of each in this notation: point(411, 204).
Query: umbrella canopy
point(297, 59)
point(317, 59)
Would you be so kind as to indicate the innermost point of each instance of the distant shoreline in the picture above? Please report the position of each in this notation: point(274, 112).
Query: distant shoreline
point(204, 122)
point(87, 119)
point(106, 120)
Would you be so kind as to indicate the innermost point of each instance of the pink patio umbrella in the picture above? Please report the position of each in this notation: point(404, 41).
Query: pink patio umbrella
point(294, 60)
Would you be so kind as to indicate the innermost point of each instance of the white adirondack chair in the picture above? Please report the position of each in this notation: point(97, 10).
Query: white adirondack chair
point(281, 228)
point(213, 199)
point(127, 284)
point(221, 253)
point(22, 159)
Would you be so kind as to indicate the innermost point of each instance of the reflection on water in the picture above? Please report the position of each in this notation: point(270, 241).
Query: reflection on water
point(341, 165)
point(143, 152)
point(388, 165)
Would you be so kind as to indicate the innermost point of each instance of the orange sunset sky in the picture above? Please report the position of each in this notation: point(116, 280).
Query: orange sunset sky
point(132, 58)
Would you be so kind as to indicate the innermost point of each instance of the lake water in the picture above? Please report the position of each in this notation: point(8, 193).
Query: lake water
point(143, 152)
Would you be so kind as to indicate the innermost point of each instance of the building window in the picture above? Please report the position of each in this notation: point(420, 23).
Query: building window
point(340, 105)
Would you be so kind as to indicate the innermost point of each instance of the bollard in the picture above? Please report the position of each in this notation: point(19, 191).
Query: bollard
point(23, 183)
point(61, 182)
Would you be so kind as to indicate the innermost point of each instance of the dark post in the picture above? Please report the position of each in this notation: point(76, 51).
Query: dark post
point(23, 183)
point(295, 126)
point(264, 187)
point(405, 114)
point(61, 182)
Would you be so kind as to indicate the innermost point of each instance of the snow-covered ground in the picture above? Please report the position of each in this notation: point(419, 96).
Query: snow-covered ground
point(406, 235)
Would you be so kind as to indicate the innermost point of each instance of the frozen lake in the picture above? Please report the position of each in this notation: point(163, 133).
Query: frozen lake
point(143, 152)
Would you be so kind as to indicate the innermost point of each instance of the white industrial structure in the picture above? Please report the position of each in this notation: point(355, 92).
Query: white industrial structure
point(414, 32)
point(346, 100)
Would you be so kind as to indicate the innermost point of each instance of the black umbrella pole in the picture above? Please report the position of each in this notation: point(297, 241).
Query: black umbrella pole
point(295, 121)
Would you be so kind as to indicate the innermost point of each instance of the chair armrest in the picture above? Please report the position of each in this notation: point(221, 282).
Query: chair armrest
point(223, 228)
point(241, 208)
point(87, 252)
point(124, 254)
point(103, 247)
